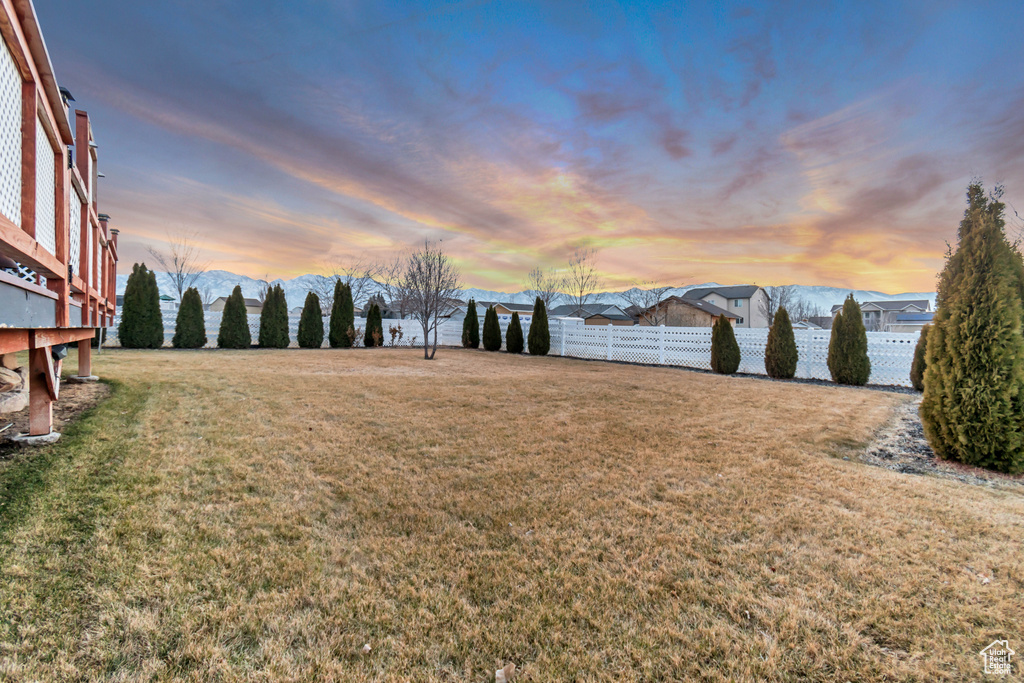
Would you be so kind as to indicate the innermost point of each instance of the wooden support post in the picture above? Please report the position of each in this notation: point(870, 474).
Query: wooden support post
point(85, 358)
point(40, 415)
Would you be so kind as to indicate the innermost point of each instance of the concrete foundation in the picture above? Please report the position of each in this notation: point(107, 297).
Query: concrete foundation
point(41, 440)
point(75, 379)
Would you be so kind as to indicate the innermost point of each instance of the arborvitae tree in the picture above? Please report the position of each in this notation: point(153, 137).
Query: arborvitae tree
point(374, 335)
point(311, 323)
point(973, 405)
point(343, 317)
point(780, 355)
point(471, 327)
point(274, 320)
point(725, 352)
point(190, 328)
point(234, 323)
point(514, 335)
point(282, 336)
point(919, 364)
point(848, 347)
point(492, 330)
point(539, 341)
point(142, 324)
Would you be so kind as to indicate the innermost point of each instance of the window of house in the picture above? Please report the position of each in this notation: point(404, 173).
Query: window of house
point(737, 303)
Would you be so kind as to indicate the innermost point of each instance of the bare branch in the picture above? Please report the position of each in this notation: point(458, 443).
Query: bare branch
point(182, 261)
point(581, 277)
point(545, 285)
point(778, 297)
point(645, 297)
point(430, 289)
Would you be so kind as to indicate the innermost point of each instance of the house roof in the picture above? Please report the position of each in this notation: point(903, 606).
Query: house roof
point(609, 316)
point(248, 302)
point(733, 292)
point(700, 305)
point(587, 310)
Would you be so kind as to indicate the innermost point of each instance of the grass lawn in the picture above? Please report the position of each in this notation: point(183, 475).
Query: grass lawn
point(261, 515)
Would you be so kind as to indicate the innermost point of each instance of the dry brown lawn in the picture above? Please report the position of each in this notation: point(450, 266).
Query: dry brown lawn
point(262, 515)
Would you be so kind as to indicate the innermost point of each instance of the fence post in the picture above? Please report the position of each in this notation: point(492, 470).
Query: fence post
point(561, 326)
point(661, 344)
point(609, 341)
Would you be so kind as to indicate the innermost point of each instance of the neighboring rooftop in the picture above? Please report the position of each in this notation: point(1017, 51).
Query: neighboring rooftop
point(733, 292)
point(894, 305)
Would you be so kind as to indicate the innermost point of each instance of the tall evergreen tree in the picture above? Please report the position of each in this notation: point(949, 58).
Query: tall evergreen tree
point(514, 335)
point(918, 366)
point(725, 352)
point(780, 354)
point(374, 335)
point(492, 330)
point(343, 317)
point(142, 324)
point(539, 340)
point(311, 323)
point(234, 323)
point(973, 405)
point(848, 359)
point(190, 328)
point(471, 327)
point(274, 320)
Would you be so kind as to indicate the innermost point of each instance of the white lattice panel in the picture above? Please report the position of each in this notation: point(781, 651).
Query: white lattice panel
point(10, 136)
point(75, 229)
point(46, 183)
point(891, 356)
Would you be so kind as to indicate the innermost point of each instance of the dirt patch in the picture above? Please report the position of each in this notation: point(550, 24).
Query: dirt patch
point(74, 399)
point(901, 446)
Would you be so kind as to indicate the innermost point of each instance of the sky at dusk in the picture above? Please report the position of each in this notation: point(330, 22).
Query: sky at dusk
point(768, 142)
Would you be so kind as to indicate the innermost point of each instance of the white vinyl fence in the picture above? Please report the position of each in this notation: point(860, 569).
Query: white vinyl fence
point(891, 353)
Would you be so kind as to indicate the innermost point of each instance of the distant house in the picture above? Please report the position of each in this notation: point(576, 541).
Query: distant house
point(806, 325)
point(883, 316)
point(743, 302)
point(676, 311)
point(502, 308)
point(911, 322)
point(167, 303)
point(593, 314)
point(252, 306)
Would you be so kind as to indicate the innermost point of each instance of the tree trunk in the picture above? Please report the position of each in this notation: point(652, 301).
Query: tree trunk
point(426, 342)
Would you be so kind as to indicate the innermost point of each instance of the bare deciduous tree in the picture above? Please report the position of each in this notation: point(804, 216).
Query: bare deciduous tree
point(581, 277)
point(778, 297)
point(546, 285)
point(803, 309)
point(182, 261)
point(359, 274)
point(206, 295)
point(263, 286)
point(390, 275)
point(645, 297)
point(430, 288)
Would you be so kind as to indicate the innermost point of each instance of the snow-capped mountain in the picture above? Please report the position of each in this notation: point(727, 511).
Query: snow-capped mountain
point(221, 282)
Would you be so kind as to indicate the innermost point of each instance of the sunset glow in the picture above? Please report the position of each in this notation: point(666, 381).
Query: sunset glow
point(757, 142)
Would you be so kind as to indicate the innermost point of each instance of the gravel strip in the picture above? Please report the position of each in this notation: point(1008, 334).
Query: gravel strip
point(901, 446)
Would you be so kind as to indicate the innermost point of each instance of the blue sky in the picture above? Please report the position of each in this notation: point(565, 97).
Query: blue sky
point(817, 143)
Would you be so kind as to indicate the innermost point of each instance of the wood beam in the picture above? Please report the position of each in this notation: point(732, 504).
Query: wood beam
point(23, 248)
point(40, 411)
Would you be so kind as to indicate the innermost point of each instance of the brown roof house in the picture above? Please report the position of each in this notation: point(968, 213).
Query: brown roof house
point(743, 302)
point(676, 311)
